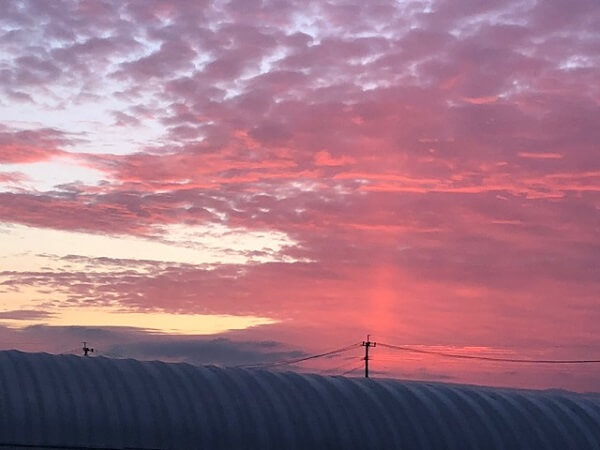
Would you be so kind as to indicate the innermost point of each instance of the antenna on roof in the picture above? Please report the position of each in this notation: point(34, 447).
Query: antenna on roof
point(86, 349)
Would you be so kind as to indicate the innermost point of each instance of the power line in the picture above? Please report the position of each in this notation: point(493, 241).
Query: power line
point(352, 370)
point(349, 361)
point(297, 360)
point(490, 358)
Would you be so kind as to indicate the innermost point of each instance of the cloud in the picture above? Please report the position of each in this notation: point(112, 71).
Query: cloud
point(118, 342)
point(220, 351)
point(24, 314)
point(540, 155)
point(15, 178)
point(435, 164)
point(26, 146)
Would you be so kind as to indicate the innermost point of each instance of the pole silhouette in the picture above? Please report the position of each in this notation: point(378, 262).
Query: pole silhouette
point(367, 344)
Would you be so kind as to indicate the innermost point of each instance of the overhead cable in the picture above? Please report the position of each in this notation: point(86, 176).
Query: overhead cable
point(490, 358)
point(297, 360)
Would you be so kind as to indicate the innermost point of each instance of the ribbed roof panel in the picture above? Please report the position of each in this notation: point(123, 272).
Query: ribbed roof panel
point(73, 402)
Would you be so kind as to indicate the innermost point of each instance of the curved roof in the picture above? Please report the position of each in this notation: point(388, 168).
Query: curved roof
point(70, 401)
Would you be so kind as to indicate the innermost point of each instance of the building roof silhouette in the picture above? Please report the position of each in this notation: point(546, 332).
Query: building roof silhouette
point(66, 401)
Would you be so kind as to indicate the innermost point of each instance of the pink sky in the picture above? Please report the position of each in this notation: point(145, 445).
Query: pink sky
point(253, 180)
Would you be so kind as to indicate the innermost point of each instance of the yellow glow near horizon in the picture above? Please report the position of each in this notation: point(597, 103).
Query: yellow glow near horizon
point(157, 322)
point(26, 249)
point(31, 299)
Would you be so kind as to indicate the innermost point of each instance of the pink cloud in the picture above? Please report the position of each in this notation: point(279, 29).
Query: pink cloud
point(323, 158)
point(22, 146)
point(12, 177)
point(436, 162)
point(540, 155)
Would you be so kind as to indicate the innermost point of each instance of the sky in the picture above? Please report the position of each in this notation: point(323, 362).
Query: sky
point(245, 181)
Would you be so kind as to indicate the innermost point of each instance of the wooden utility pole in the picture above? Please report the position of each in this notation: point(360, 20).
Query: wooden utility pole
point(367, 344)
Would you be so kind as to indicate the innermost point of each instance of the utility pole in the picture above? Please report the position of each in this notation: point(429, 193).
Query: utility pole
point(367, 344)
point(86, 349)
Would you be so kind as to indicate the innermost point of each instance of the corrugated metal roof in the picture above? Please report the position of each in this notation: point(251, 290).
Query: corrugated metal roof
point(69, 401)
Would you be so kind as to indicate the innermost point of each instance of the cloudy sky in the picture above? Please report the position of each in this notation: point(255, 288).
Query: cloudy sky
point(237, 181)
